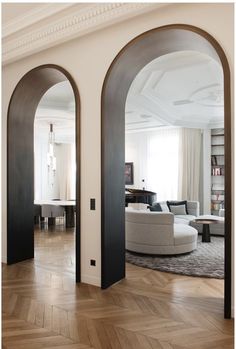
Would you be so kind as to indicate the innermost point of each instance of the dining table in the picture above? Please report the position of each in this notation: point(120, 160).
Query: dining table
point(68, 205)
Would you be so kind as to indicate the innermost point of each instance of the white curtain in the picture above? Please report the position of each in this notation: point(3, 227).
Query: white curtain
point(163, 163)
point(189, 164)
point(66, 171)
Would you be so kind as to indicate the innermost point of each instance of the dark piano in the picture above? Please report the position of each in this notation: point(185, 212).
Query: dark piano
point(139, 195)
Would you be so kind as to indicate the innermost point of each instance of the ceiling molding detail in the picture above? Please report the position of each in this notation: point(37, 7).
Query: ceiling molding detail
point(30, 17)
point(18, 44)
point(183, 89)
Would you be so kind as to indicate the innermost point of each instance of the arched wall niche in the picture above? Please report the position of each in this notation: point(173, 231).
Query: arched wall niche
point(126, 65)
point(20, 160)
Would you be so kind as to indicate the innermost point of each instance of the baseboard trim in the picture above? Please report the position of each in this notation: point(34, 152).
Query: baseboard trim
point(91, 280)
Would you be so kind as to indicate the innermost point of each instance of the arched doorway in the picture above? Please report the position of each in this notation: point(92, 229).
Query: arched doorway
point(130, 60)
point(20, 160)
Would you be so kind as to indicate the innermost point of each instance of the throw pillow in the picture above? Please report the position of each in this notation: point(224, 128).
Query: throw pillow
point(178, 210)
point(164, 208)
point(156, 207)
point(178, 203)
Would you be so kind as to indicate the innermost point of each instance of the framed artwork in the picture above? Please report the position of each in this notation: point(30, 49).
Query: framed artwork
point(129, 173)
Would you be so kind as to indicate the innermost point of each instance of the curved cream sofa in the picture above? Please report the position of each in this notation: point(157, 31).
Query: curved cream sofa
point(155, 233)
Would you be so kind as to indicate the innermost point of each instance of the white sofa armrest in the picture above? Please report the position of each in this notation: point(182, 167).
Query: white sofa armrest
point(149, 228)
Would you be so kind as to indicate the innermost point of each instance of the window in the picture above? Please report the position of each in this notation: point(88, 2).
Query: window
point(162, 163)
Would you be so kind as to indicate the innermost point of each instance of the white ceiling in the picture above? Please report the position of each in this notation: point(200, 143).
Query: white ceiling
point(179, 89)
point(57, 107)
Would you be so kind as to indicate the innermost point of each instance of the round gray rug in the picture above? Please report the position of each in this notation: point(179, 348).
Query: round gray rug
point(207, 260)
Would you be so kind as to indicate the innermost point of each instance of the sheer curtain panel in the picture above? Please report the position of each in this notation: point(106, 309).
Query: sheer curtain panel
point(189, 164)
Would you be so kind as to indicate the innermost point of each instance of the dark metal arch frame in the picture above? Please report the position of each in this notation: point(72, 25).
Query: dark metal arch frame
point(123, 69)
point(20, 159)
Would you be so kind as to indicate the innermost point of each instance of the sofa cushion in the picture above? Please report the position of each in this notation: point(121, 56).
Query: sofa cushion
point(177, 203)
point(193, 208)
point(178, 209)
point(156, 207)
point(184, 234)
point(164, 207)
point(172, 204)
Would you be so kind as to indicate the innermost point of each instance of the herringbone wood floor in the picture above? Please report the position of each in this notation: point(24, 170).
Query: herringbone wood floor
point(44, 308)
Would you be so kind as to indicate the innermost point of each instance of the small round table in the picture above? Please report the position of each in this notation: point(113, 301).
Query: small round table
point(206, 236)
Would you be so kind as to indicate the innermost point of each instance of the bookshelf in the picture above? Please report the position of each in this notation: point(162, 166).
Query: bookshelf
point(217, 171)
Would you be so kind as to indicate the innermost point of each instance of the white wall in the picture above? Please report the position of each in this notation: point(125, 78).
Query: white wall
point(87, 59)
point(136, 152)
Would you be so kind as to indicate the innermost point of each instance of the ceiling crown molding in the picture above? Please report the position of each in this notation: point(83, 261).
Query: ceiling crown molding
point(31, 17)
point(79, 22)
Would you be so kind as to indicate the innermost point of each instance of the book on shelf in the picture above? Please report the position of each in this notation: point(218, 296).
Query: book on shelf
point(213, 160)
point(217, 197)
point(217, 206)
point(217, 171)
point(217, 160)
point(217, 186)
point(217, 153)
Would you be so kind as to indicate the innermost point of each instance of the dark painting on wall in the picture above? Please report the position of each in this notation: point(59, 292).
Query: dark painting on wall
point(129, 173)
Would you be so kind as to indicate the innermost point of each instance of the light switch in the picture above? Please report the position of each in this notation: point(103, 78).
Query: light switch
point(92, 204)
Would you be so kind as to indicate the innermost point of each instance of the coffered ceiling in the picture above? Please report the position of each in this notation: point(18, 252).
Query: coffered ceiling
point(179, 89)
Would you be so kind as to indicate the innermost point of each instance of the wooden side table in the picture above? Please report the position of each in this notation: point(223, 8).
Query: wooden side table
point(206, 236)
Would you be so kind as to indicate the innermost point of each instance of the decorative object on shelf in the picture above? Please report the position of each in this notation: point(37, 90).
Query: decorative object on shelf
point(217, 170)
point(51, 158)
point(215, 206)
point(129, 173)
